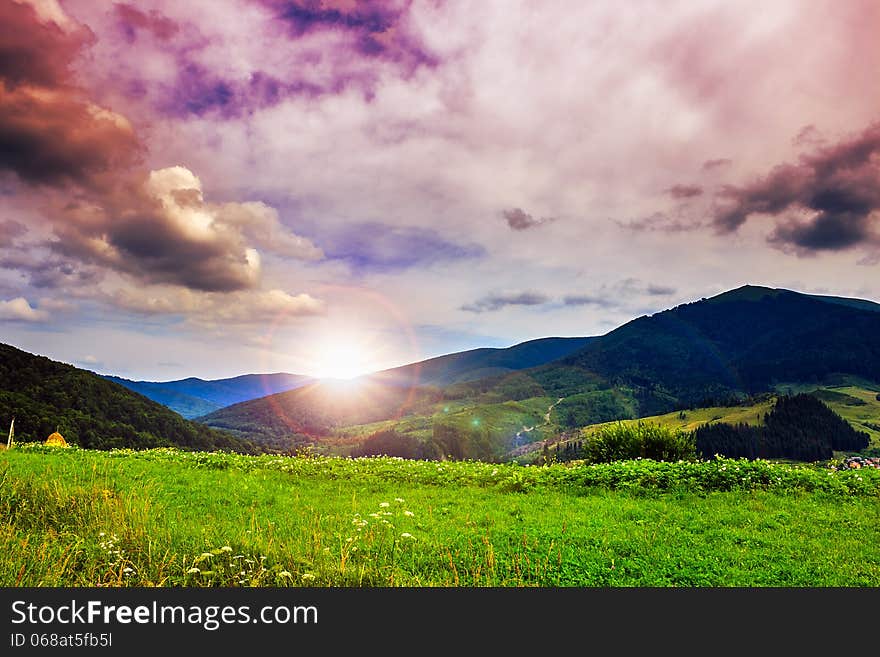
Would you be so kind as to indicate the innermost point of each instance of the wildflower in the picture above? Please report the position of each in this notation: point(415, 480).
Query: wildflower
point(226, 548)
point(285, 573)
point(408, 513)
point(399, 499)
point(192, 571)
point(127, 570)
point(308, 577)
point(384, 504)
point(406, 535)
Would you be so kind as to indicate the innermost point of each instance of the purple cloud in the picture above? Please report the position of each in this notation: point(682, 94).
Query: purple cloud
point(374, 246)
point(518, 219)
point(837, 187)
point(493, 302)
point(376, 29)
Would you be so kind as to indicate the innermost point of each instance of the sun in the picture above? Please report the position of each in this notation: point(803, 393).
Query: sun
point(340, 358)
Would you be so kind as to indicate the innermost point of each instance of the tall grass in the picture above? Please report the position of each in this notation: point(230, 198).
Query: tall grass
point(620, 441)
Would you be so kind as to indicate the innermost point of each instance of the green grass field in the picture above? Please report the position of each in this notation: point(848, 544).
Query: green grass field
point(692, 419)
point(71, 517)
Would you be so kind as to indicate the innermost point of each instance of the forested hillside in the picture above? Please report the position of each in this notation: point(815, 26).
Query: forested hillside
point(43, 395)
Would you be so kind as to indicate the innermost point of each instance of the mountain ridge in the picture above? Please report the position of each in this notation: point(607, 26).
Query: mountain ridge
point(722, 348)
point(44, 395)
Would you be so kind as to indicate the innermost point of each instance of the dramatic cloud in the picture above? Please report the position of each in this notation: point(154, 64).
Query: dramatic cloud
point(374, 246)
point(834, 189)
point(19, 310)
point(50, 136)
point(493, 302)
point(164, 232)
point(679, 192)
point(37, 48)
point(154, 226)
point(517, 219)
point(50, 133)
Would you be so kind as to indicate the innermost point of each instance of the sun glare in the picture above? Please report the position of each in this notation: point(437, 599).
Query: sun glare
point(340, 359)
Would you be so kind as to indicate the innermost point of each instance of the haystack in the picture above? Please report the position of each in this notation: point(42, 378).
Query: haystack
point(56, 440)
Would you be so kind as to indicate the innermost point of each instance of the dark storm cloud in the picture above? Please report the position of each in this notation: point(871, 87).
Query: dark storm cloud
point(32, 52)
point(106, 211)
point(54, 138)
point(49, 132)
point(836, 189)
point(493, 302)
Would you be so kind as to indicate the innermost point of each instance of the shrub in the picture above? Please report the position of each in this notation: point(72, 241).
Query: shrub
point(620, 441)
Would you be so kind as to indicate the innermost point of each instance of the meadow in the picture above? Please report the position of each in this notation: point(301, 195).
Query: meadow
point(163, 517)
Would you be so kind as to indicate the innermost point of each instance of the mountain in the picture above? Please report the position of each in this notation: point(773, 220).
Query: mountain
point(710, 351)
point(194, 397)
point(320, 408)
point(44, 395)
point(481, 363)
point(317, 410)
point(740, 342)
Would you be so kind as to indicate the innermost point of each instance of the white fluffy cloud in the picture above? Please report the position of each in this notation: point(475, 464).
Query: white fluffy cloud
point(234, 309)
point(19, 310)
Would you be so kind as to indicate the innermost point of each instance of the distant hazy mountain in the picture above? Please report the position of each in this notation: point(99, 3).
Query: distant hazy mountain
point(194, 397)
point(90, 411)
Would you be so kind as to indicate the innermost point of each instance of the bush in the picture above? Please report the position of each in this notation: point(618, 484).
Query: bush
point(630, 441)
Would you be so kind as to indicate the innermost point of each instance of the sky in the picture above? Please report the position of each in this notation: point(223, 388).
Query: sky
point(209, 188)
